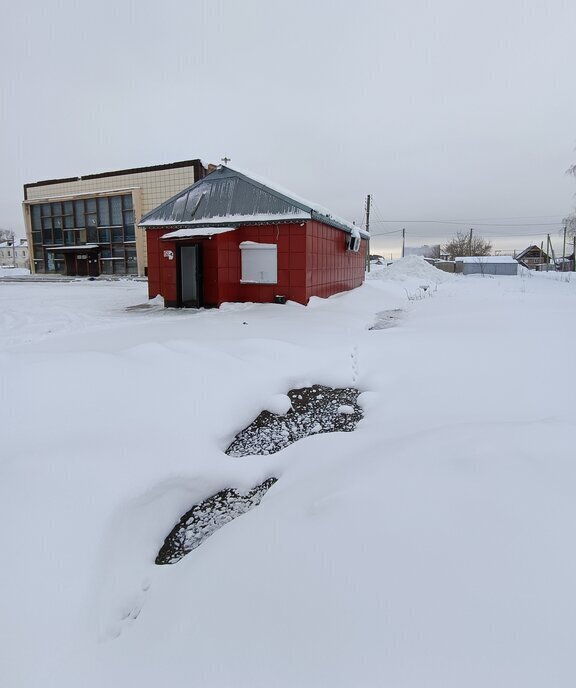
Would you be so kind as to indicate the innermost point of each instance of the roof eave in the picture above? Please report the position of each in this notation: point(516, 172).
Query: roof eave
point(236, 223)
point(327, 220)
point(253, 223)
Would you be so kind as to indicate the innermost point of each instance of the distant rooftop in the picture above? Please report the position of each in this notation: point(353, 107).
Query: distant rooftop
point(485, 259)
point(20, 243)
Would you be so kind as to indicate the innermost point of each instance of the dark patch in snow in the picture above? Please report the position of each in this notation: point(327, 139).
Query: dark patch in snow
point(386, 319)
point(315, 410)
point(204, 519)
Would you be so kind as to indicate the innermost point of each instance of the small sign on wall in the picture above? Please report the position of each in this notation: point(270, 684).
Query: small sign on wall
point(169, 255)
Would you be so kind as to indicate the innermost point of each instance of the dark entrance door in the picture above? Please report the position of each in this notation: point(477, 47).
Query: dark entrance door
point(189, 277)
point(70, 259)
point(93, 266)
point(82, 264)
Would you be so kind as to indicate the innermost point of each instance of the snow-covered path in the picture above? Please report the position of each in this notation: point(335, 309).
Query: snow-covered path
point(430, 547)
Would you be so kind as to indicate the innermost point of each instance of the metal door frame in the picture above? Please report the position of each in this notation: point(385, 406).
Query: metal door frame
point(200, 300)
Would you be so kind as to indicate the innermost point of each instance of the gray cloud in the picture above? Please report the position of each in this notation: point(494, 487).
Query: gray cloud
point(447, 110)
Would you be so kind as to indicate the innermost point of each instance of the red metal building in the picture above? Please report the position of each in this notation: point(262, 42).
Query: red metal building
point(231, 237)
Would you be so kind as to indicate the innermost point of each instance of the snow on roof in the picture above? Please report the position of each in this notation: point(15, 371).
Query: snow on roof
point(76, 247)
point(321, 210)
point(528, 250)
point(256, 244)
point(229, 220)
point(188, 232)
point(228, 196)
point(19, 243)
point(485, 259)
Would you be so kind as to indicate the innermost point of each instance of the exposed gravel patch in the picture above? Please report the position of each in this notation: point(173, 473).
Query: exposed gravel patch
point(204, 519)
point(314, 410)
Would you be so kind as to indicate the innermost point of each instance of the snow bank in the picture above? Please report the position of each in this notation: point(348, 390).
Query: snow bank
point(410, 267)
point(432, 546)
point(279, 404)
point(13, 272)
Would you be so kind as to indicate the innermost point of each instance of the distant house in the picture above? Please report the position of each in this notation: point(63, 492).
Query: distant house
point(232, 237)
point(424, 251)
point(486, 265)
point(533, 258)
point(14, 254)
point(565, 264)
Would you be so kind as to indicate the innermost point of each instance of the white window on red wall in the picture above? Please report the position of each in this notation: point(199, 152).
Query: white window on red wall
point(259, 263)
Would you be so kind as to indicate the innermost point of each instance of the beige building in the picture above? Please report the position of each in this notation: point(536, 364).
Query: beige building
point(14, 254)
point(89, 225)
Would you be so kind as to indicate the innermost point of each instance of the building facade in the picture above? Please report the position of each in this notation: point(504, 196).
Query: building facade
point(14, 254)
point(88, 225)
point(231, 237)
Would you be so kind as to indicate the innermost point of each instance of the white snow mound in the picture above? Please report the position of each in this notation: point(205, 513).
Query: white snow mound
point(279, 404)
point(7, 271)
point(409, 267)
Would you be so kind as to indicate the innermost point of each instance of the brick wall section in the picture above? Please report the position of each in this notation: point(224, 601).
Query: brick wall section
point(312, 261)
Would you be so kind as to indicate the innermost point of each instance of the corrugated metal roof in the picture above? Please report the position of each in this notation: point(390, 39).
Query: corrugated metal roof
point(227, 196)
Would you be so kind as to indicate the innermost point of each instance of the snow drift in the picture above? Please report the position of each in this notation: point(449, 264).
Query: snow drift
point(432, 546)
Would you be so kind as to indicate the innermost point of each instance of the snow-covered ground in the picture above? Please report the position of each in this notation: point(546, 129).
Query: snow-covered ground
point(431, 547)
point(8, 271)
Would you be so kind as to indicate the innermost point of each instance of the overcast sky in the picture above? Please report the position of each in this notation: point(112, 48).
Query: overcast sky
point(445, 110)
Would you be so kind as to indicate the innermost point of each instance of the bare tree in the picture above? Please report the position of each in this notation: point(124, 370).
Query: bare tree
point(570, 223)
point(570, 220)
point(461, 245)
point(6, 235)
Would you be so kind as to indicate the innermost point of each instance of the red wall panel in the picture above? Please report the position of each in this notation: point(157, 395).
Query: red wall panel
point(331, 268)
point(152, 239)
point(312, 261)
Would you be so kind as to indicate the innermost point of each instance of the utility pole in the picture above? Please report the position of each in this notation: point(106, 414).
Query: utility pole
point(574, 253)
point(547, 252)
point(553, 254)
point(368, 202)
point(470, 241)
point(403, 241)
point(12, 234)
point(564, 250)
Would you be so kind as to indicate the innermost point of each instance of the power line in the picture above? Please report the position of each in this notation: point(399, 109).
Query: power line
point(488, 236)
point(479, 224)
point(502, 217)
point(379, 213)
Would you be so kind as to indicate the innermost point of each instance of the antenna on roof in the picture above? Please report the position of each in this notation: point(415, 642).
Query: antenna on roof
point(225, 160)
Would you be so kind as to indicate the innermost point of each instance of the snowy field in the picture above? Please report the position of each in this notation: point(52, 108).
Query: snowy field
point(433, 547)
